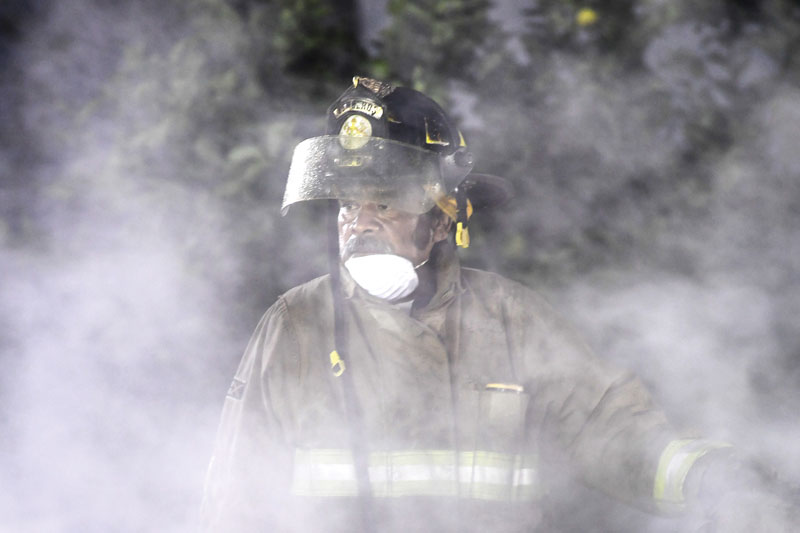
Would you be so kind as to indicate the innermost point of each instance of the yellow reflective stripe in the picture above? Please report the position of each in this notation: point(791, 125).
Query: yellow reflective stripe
point(673, 467)
point(413, 457)
point(414, 488)
point(436, 457)
point(480, 475)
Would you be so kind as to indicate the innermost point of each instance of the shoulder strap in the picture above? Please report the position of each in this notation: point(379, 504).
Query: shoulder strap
point(352, 408)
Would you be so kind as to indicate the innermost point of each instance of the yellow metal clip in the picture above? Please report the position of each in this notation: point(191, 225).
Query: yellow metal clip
point(337, 365)
point(462, 235)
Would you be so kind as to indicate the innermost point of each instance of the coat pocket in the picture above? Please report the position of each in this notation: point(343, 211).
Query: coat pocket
point(501, 420)
point(493, 418)
point(494, 461)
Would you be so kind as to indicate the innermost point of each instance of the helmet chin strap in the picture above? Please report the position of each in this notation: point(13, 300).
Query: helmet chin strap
point(430, 238)
point(462, 218)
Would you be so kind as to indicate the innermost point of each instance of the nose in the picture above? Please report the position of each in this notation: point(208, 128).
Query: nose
point(366, 219)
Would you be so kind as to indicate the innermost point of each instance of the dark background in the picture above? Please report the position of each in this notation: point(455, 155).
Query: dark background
point(143, 153)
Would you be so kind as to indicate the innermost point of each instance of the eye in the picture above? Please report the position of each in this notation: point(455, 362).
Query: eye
point(348, 205)
point(382, 207)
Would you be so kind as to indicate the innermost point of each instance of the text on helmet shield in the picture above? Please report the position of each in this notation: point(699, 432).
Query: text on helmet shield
point(368, 107)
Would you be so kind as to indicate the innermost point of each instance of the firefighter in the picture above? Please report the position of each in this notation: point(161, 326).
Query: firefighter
point(403, 392)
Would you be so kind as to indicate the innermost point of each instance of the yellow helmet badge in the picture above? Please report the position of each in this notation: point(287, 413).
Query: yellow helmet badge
point(355, 132)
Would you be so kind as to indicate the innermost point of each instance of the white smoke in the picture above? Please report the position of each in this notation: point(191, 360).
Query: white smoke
point(121, 309)
point(695, 287)
point(124, 318)
point(702, 309)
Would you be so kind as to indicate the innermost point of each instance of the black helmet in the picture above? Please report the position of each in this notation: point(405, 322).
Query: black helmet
point(394, 146)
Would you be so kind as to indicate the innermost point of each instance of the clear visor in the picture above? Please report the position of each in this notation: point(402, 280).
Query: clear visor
point(366, 170)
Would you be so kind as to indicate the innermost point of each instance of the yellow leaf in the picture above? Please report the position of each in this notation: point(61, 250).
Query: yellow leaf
point(586, 16)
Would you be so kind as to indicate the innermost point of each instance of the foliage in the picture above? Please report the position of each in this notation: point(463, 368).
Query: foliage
point(430, 42)
point(616, 114)
point(318, 41)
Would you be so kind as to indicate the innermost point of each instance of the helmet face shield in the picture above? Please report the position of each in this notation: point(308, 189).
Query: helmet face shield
point(366, 170)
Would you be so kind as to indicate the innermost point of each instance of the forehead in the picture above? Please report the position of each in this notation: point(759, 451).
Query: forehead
point(351, 208)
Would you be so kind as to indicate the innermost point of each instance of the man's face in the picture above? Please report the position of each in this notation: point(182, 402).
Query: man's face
point(375, 228)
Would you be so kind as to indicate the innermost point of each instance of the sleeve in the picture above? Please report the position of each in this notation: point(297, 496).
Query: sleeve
point(616, 439)
point(737, 492)
point(248, 479)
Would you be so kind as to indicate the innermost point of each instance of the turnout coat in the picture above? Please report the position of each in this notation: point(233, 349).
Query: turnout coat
point(475, 408)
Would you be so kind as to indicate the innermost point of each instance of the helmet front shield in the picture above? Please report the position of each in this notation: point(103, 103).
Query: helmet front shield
point(365, 170)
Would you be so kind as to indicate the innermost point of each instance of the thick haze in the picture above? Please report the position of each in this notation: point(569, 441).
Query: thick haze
point(153, 241)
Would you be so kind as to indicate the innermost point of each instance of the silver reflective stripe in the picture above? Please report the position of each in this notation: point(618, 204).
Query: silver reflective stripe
point(673, 467)
point(479, 475)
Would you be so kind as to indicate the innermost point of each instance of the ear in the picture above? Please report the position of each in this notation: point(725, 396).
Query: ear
point(441, 227)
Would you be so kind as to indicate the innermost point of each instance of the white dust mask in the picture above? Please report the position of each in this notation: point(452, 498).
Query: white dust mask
point(384, 276)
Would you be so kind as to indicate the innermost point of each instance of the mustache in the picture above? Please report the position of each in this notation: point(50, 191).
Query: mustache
point(365, 244)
